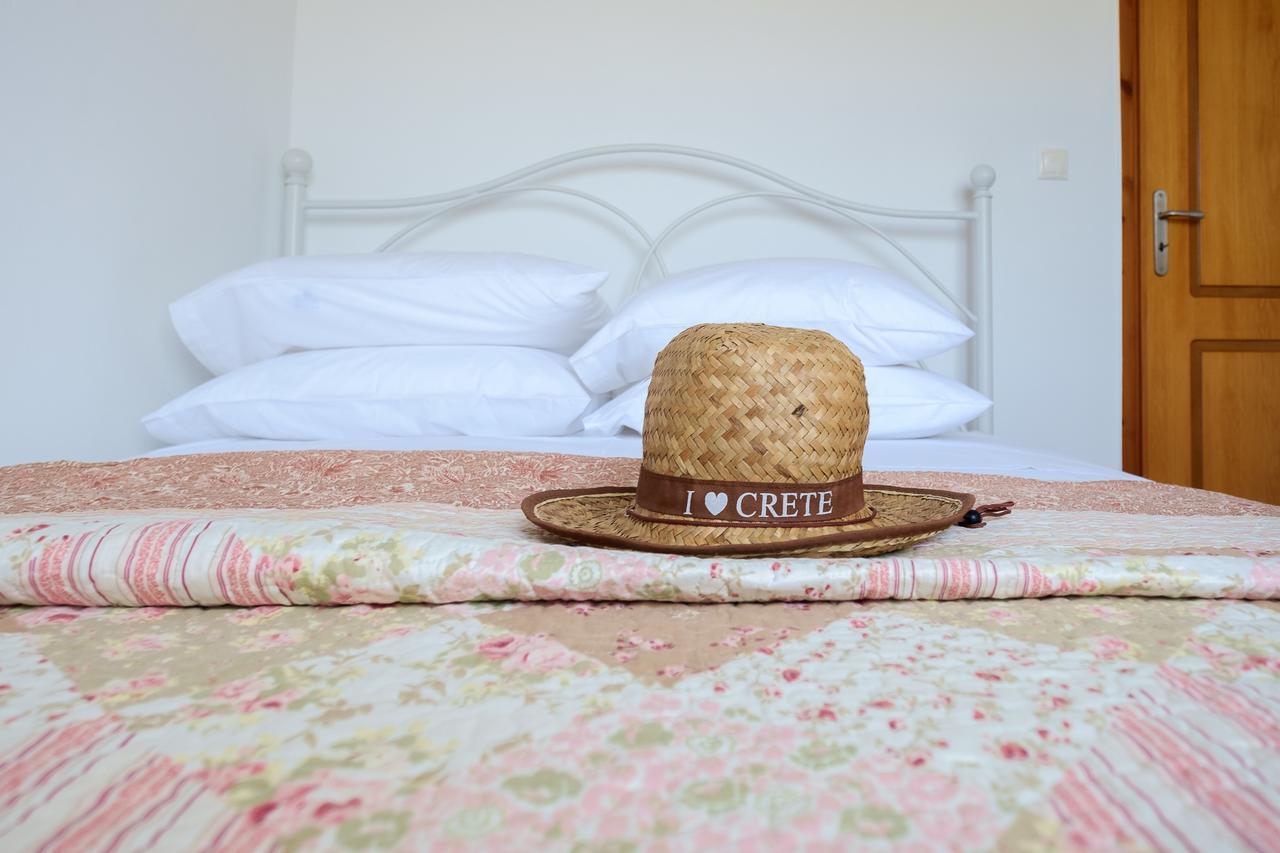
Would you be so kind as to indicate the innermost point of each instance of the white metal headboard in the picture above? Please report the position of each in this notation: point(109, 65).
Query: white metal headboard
point(297, 206)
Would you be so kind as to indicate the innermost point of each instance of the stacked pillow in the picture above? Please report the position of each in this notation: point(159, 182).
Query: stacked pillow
point(881, 317)
point(366, 346)
point(488, 344)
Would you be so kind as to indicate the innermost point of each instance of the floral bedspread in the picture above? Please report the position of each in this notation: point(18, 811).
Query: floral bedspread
point(1080, 724)
point(1079, 720)
point(333, 527)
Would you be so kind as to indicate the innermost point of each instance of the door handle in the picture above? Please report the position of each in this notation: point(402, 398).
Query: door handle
point(1160, 224)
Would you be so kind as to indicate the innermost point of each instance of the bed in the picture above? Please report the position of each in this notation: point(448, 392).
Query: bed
point(1098, 670)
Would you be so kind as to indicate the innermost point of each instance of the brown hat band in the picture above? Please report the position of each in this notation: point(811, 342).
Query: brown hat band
point(684, 500)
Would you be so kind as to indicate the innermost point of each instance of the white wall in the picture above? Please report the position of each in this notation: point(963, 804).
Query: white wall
point(141, 139)
point(138, 157)
point(883, 102)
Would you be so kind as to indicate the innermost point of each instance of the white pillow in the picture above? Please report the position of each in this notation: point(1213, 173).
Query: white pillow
point(905, 402)
point(383, 391)
point(333, 301)
point(880, 316)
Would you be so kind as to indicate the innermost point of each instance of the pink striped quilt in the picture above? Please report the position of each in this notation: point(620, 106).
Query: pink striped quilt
point(341, 527)
point(1106, 675)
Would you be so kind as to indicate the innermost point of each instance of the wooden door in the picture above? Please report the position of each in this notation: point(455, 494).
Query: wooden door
point(1208, 134)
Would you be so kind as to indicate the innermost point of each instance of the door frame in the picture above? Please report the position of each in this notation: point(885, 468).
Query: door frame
point(1131, 243)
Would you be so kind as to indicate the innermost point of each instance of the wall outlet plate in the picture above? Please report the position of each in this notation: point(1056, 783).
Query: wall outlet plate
point(1051, 164)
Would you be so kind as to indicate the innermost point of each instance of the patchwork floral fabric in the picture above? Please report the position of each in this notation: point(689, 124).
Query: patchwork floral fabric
point(1079, 723)
point(328, 527)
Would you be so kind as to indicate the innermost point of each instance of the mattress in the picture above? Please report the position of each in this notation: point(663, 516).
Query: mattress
point(1097, 670)
point(970, 452)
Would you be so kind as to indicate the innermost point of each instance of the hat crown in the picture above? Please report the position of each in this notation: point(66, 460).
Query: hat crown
point(749, 402)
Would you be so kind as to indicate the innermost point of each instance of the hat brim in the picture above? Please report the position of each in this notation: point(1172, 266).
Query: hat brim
point(903, 517)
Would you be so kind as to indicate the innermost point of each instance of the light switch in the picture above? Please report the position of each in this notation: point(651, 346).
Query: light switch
point(1052, 164)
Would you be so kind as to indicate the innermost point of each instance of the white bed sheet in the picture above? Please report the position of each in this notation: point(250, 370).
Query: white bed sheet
point(970, 452)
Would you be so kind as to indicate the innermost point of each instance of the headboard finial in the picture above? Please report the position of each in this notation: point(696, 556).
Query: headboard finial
point(297, 166)
point(982, 176)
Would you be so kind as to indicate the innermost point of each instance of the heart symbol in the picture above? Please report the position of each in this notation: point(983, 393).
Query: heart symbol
point(716, 502)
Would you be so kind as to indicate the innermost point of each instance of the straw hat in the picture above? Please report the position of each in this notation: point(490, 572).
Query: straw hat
point(753, 439)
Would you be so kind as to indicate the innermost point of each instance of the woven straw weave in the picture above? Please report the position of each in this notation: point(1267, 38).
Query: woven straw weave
point(756, 403)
